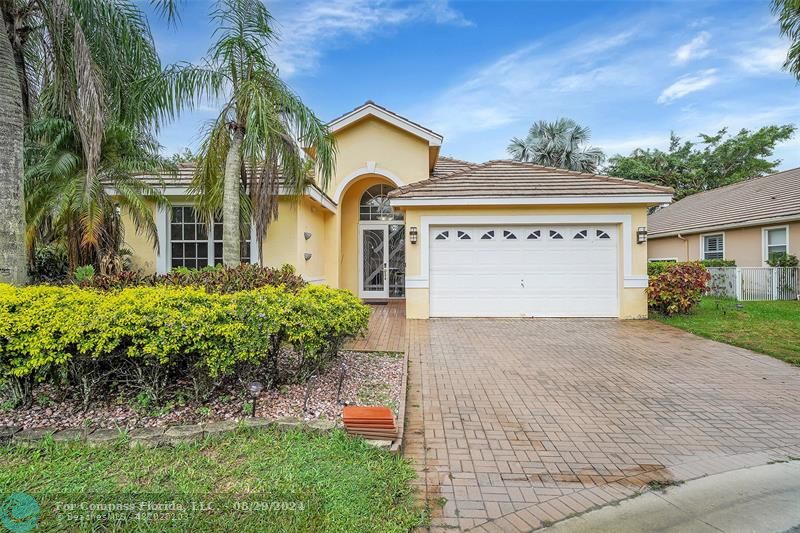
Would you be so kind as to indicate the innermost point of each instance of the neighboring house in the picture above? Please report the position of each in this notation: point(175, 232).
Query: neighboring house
point(746, 222)
point(451, 237)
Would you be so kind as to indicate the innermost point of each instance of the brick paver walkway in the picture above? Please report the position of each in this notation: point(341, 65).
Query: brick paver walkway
point(387, 329)
point(517, 423)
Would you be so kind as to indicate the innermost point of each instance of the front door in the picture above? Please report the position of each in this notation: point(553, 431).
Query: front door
point(381, 260)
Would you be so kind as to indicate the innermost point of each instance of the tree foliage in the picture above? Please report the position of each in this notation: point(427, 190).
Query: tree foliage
point(788, 12)
point(93, 96)
point(264, 137)
point(715, 161)
point(561, 144)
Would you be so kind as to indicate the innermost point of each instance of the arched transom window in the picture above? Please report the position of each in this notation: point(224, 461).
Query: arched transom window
point(375, 204)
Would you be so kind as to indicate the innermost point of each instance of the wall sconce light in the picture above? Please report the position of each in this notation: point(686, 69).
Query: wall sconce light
point(307, 256)
point(307, 235)
point(641, 235)
point(412, 234)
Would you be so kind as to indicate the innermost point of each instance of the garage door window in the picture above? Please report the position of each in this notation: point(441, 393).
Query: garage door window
point(509, 235)
point(489, 235)
point(602, 234)
point(463, 236)
point(443, 235)
point(555, 235)
point(534, 235)
point(582, 234)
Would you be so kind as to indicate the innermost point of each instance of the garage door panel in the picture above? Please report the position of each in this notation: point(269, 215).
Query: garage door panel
point(524, 277)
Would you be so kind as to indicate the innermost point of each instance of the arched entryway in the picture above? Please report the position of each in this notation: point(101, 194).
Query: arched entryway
point(381, 250)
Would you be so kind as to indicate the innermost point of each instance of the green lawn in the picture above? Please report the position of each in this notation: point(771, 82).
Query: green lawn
point(772, 328)
point(248, 481)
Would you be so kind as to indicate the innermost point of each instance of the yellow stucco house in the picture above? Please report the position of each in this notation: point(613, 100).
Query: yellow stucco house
point(452, 238)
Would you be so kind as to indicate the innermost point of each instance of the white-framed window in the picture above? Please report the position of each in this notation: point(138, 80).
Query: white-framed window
point(712, 246)
point(776, 242)
point(191, 245)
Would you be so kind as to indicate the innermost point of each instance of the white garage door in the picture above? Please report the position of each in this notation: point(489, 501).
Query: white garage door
point(540, 271)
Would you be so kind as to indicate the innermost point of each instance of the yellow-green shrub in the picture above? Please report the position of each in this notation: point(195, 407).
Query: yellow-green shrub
point(173, 333)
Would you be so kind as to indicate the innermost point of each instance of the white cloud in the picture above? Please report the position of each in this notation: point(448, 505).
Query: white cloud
point(307, 30)
point(762, 59)
point(539, 75)
point(688, 84)
point(695, 49)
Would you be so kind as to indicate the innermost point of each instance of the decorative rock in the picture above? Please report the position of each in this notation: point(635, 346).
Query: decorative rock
point(69, 435)
point(99, 437)
point(257, 422)
point(287, 423)
point(150, 437)
point(216, 429)
point(31, 437)
point(189, 433)
point(381, 444)
point(6, 432)
point(321, 426)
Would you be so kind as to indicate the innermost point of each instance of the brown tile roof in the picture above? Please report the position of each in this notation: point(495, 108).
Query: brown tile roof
point(183, 178)
point(448, 165)
point(745, 203)
point(509, 179)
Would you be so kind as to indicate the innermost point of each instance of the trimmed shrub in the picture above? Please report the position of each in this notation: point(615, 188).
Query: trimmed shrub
point(654, 268)
point(214, 279)
point(151, 338)
point(783, 260)
point(712, 263)
point(677, 288)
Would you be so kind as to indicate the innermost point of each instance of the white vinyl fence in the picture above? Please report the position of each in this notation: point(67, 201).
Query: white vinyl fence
point(755, 283)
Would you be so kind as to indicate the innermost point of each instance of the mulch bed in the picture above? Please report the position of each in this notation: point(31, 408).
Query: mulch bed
point(372, 379)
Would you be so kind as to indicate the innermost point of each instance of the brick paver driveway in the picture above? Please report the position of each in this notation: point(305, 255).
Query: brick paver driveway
point(520, 422)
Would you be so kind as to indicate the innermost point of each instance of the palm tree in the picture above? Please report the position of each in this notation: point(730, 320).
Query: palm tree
point(64, 206)
point(72, 72)
point(558, 144)
point(264, 138)
point(788, 12)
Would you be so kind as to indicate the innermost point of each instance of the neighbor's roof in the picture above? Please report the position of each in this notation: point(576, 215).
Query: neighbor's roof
point(747, 203)
point(512, 179)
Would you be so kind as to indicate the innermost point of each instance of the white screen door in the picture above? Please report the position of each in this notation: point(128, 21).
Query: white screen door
point(373, 266)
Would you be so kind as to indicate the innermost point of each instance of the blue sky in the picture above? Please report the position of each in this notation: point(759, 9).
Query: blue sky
point(481, 72)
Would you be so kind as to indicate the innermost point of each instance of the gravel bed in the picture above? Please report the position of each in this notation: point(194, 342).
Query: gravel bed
point(372, 379)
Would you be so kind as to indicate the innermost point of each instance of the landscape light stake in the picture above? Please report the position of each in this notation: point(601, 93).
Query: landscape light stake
point(311, 380)
point(254, 389)
point(342, 376)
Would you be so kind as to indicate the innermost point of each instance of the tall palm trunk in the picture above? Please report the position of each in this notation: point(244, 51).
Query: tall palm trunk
point(231, 234)
point(12, 207)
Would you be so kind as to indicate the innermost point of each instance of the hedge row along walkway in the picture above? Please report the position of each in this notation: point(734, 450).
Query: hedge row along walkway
point(517, 423)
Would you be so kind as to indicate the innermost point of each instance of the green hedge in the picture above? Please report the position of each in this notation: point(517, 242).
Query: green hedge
point(155, 337)
point(213, 279)
point(654, 268)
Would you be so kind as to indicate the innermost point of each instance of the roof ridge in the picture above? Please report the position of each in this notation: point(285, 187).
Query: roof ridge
point(605, 177)
point(422, 183)
point(739, 184)
point(457, 160)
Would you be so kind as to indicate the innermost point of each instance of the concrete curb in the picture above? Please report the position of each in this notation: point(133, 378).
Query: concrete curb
point(165, 436)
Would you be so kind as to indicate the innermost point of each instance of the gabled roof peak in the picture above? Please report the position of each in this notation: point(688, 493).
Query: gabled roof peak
point(370, 108)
